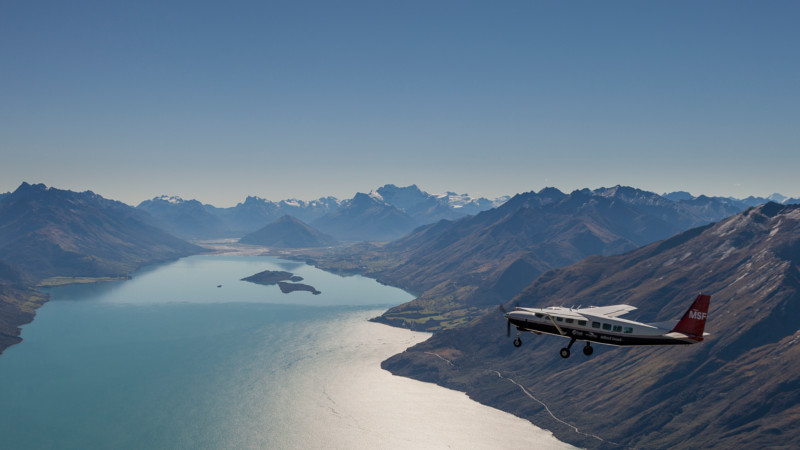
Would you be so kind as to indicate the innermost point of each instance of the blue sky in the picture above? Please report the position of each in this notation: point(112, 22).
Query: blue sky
point(220, 100)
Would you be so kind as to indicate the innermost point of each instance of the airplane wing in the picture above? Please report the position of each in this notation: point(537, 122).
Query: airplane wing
point(608, 311)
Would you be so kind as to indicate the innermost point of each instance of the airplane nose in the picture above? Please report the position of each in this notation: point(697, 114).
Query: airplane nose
point(515, 315)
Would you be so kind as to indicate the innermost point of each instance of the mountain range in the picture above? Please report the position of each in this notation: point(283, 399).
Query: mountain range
point(462, 258)
point(740, 388)
point(366, 217)
point(460, 268)
point(390, 212)
point(383, 214)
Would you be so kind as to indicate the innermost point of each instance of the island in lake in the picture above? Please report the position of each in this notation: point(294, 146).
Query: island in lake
point(279, 277)
point(291, 287)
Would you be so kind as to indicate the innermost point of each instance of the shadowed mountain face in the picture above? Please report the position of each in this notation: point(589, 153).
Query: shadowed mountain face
point(739, 388)
point(684, 213)
point(191, 219)
point(18, 303)
point(419, 205)
point(51, 232)
point(188, 219)
point(425, 208)
point(288, 232)
point(365, 218)
point(391, 212)
point(461, 267)
point(257, 212)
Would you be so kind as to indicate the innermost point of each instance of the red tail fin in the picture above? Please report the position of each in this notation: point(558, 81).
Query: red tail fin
point(694, 321)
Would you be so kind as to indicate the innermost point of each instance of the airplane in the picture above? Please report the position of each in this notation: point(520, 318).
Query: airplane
point(602, 324)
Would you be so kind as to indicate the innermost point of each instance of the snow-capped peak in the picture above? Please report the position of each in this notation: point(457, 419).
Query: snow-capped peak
point(777, 198)
point(374, 194)
point(174, 199)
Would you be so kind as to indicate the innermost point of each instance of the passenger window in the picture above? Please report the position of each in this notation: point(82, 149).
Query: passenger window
point(568, 320)
point(627, 330)
point(595, 324)
point(582, 323)
point(559, 319)
point(617, 328)
point(606, 326)
point(539, 315)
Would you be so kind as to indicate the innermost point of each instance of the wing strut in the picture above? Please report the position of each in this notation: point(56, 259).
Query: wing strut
point(560, 331)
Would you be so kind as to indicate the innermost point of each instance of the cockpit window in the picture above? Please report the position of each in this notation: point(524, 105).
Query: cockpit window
point(539, 315)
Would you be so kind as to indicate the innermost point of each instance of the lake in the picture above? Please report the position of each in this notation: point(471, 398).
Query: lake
point(170, 360)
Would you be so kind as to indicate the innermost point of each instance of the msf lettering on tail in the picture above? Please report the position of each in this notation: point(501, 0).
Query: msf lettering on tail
point(694, 321)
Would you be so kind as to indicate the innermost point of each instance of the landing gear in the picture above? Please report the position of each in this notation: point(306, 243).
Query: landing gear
point(565, 351)
point(588, 350)
point(518, 340)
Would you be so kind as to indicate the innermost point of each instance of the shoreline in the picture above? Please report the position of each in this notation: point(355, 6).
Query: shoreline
point(359, 390)
point(21, 303)
point(557, 434)
point(232, 248)
point(66, 281)
point(352, 402)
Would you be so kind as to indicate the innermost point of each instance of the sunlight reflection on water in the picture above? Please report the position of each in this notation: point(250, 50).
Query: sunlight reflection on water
point(168, 360)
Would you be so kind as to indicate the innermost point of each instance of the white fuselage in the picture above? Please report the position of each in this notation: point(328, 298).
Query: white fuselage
point(596, 324)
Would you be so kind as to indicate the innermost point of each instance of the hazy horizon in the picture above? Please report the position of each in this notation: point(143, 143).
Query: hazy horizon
point(367, 191)
point(307, 99)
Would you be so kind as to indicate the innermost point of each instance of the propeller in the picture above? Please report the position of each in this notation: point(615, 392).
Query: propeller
point(508, 322)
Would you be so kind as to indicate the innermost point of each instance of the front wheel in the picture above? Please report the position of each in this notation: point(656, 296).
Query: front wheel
point(588, 350)
point(517, 342)
point(565, 353)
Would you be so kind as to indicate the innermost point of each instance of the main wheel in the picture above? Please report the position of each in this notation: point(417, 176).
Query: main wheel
point(588, 350)
point(565, 352)
point(517, 342)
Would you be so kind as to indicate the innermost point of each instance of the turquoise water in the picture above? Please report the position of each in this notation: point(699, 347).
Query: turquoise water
point(170, 360)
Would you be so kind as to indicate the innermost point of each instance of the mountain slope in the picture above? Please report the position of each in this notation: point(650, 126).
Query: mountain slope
point(739, 388)
point(288, 232)
point(425, 208)
point(50, 232)
point(188, 219)
point(460, 268)
point(18, 303)
point(364, 218)
point(684, 212)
